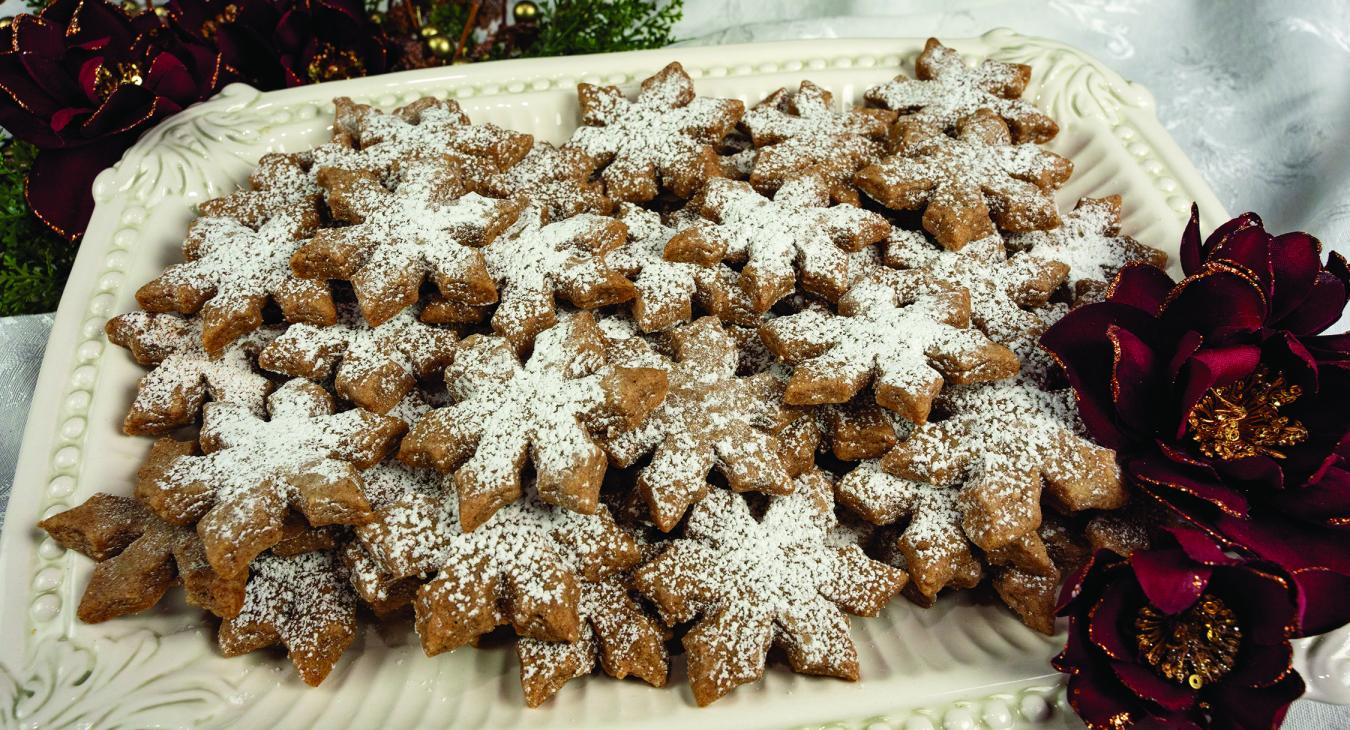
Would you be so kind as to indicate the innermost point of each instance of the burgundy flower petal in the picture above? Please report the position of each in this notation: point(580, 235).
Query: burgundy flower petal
point(1079, 343)
point(1191, 255)
point(1200, 547)
point(1107, 620)
point(169, 77)
point(1241, 708)
point(1141, 286)
point(1322, 595)
point(1261, 665)
point(59, 183)
point(1319, 308)
point(1229, 228)
point(1154, 472)
point(1295, 260)
point(1207, 369)
point(1216, 302)
point(1134, 380)
point(1144, 683)
point(1187, 345)
point(1171, 582)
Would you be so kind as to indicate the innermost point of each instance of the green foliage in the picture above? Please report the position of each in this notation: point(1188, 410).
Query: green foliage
point(568, 27)
point(34, 262)
point(36, 6)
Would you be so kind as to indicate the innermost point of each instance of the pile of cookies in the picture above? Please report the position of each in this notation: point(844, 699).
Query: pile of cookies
point(703, 380)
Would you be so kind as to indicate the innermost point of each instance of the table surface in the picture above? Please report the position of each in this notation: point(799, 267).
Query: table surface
point(1255, 92)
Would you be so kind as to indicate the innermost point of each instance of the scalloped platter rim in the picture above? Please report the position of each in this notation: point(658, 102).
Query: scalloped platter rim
point(958, 665)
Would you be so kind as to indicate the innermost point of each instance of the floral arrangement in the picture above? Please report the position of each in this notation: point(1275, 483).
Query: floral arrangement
point(81, 80)
point(1225, 403)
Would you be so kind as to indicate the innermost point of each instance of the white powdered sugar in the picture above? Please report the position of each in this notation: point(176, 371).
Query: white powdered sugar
point(894, 334)
point(665, 130)
point(184, 373)
point(999, 287)
point(1088, 241)
point(556, 180)
point(954, 90)
point(710, 419)
point(305, 601)
point(756, 583)
point(791, 233)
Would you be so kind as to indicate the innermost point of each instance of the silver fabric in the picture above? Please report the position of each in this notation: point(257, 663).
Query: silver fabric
point(1255, 92)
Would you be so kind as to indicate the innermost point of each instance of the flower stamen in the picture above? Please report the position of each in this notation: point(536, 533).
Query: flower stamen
point(332, 63)
point(1242, 419)
point(1196, 648)
point(109, 76)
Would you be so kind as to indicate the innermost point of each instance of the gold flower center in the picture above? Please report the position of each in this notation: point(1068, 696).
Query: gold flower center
point(109, 76)
point(1196, 648)
point(1242, 419)
point(332, 63)
point(226, 16)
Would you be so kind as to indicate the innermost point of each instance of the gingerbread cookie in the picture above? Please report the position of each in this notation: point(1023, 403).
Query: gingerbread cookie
point(427, 126)
point(931, 547)
point(1001, 288)
point(557, 180)
point(534, 261)
point(523, 567)
point(1089, 244)
point(971, 183)
point(233, 271)
point(420, 225)
point(304, 603)
point(282, 185)
point(662, 140)
point(836, 356)
point(253, 472)
point(183, 374)
point(798, 132)
point(374, 367)
point(710, 419)
point(615, 633)
point(789, 240)
point(947, 90)
point(749, 585)
point(139, 557)
point(548, 409)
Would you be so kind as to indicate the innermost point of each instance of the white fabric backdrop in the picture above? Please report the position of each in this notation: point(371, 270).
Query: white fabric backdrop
point(1257, 93)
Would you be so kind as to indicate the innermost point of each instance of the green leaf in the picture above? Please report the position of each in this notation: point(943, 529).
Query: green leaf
point(34, 262)
point(568, 27)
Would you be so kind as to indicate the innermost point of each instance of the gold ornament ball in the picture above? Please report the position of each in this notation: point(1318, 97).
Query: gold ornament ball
point(430, 31)
point(132, 7)
point(377, 17)
point(440, 45)
point(525, 11)
point(6, 22)
point(161, 11)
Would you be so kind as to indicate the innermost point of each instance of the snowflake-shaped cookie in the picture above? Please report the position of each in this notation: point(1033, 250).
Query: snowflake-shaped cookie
point(182, 373)
point(663, 140)
point(557, 180)
point(947, 90)
point(615, 633)
point(374, 367)
point(548, 410)
point(1089, 243)
point(281, 185)
point(710, 419)
point(303, 602)
point(798, 132)
point(753, 584)
point(789, 240)
point(524, 566)
point(232, 271)
point(968, 183)
point(253, 472)
point(421, 225)
point(897, 331)
point(427, 126)
point(667, 290)
point(139, 556)
point(1000, 286)
point(533, 261)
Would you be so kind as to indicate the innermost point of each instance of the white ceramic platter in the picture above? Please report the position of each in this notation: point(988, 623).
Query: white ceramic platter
point(957, 665)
